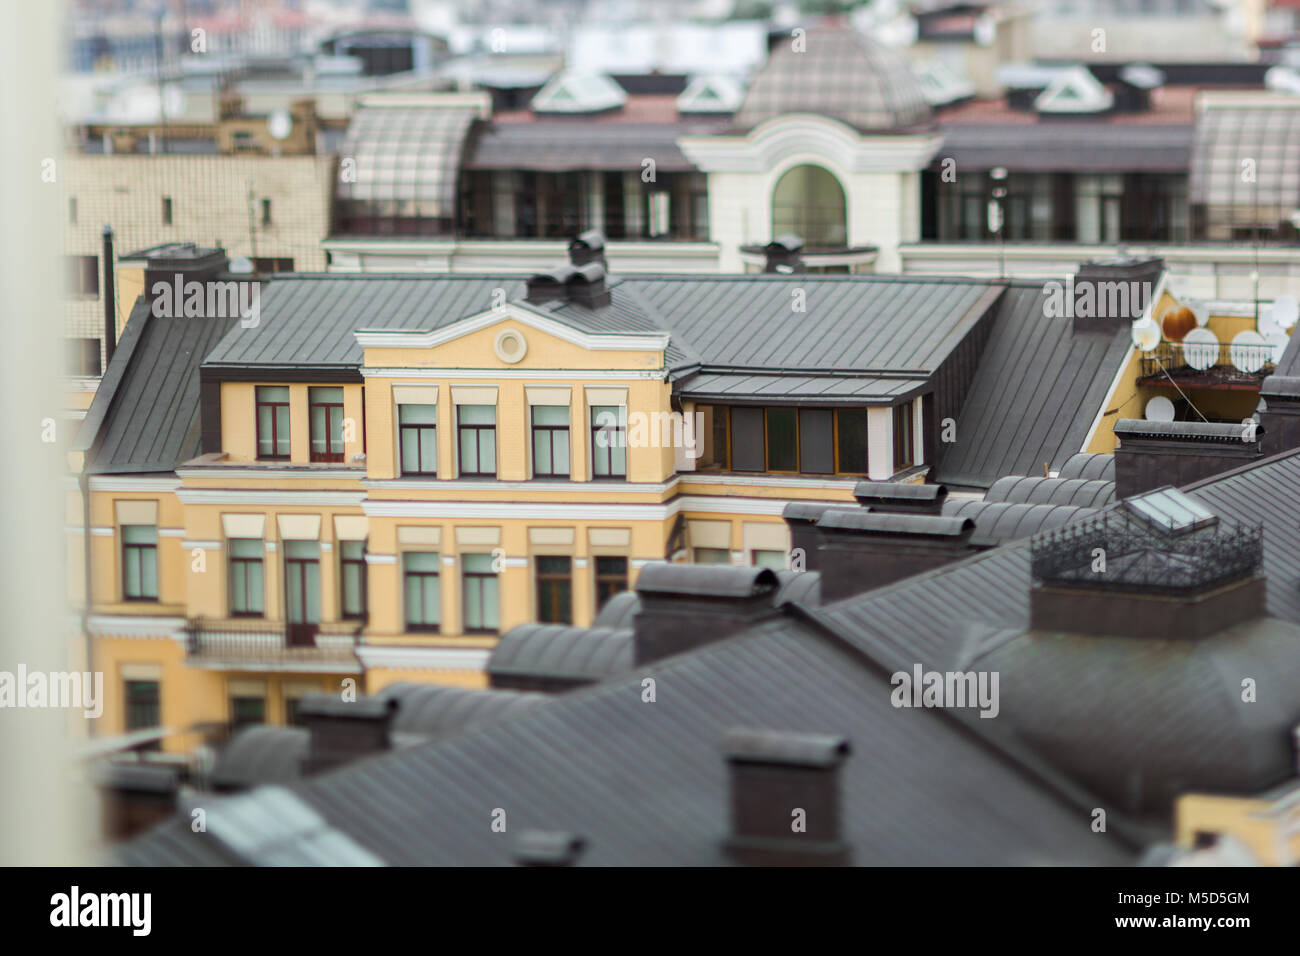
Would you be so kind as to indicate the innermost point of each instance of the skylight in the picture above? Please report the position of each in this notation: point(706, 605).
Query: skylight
point(1074, 91)
point(711, 94)
point(1170, 510)
point(572, 92)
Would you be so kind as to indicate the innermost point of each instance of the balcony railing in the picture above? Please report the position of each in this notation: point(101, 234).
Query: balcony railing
point(269, 645)
point(1223, 365)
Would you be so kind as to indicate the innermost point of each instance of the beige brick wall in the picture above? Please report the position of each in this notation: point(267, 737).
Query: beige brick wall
point(210, 206)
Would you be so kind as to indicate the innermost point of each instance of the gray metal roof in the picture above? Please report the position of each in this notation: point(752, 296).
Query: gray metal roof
point(1086, 465)
point(619, 611)
point(883, 522)
point(947, 618)
point(1023, 407)
point(1089, 493)
point(997, 522)
point(406, 155)
point(1217, 432)
point(431, 710)
point(559, 145)
point(857, 325)
point(260, 755)
point(580, 762)
point(714, 387)
point(1075, 146)
point(559, 651)
point(145, 415)
point(838, 73)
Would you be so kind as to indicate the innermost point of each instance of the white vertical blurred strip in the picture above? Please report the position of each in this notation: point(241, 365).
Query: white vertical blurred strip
point(42, 808)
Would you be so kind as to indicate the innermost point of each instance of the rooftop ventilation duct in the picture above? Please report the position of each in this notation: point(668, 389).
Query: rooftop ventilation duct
point(864, 549)
point(1154, 453)
point(1279, 416)
point(586, 286)
point(785, 798)
point(549, 286)
point(588, 247)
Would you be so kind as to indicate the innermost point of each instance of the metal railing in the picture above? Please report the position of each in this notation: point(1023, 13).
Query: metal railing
point(259, 642)
point(1223, 363)
point(1119, 550)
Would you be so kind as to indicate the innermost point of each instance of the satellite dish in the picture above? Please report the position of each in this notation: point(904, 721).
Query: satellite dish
point(1285, 311)
point(985, 32)
point(1159, 409)
point(1279, 341)
point(1146, 335)
point(1201, 349)
point(1199, 310)
point(240, 265)
point(1267, 324)
point(280, 124)
point(1247, 352)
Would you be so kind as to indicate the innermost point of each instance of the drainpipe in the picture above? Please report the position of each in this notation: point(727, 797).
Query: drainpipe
point(110, 299)
point(83, 480)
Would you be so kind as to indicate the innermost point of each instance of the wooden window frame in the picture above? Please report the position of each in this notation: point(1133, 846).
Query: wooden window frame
point(421, 627)
point(364, 586)
point(619, 430)
point(135, 551)
point(329, 455)
point(240, 564)
point(418, 428)
point(478, 430)
point(904, 438)
point(258, 405)
point(465, 578)
point(602, 581)
point(549, 432)
point(554, 582)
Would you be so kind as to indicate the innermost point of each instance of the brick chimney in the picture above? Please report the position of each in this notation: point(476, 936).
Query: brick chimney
point(685, 606)
point(899, 497)
point(342, 731)
point(1279, 413)
point(861, 550)
point(1152, 454)
point(785, 798)
point(135, 797)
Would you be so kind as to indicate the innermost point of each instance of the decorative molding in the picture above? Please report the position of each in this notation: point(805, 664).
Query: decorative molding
point(127, 483)
point(511, 311)
point(424, 658)
point(171, 532)
point(278, 473)
point(769, 144)
point(488, 376)
point(255, 497)
point(571, 511)
point(463, 485)
point(203, 545)
point(380, 558)
point(111, 625)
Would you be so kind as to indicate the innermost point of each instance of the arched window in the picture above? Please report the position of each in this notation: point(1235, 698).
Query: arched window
point(809, 202)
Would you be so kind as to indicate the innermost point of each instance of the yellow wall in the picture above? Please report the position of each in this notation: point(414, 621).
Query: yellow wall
point(1252, 821)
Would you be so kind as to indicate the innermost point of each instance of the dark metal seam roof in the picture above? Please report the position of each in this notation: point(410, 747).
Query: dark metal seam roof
point(1061, 147)
point(1033, 396)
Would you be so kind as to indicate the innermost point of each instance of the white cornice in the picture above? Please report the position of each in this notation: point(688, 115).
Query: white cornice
point(769, 144)
point(559, 511)
point(511, 311)
point(111, 625)
point(570, 487)
point(128, 483)
point(488, 376)
point(424, 658)
point(270, 498)
point(272, 474)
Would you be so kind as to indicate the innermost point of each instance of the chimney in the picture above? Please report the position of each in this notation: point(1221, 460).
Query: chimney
point(801, 518)
point(135, 797)
point(685, 606)
point(1152, 454)
point(586, 286)
point(784, 255)
point(862, 550)
point(785, 798)
point(342, 731)
point(547, 848)
point(110, 299)
point(895, 497)
point(548, 286)
point(1109, 293)
point(588, 247)
point(1159, 566)
point(1279, 414)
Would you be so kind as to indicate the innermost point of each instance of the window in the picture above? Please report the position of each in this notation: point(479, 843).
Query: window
point(477, 426)
point(480, 594)
point(782, 440)
point(302, 581)
point(422, 589)
point(903, 454)
point(713, 454)
point(325, 406)
point(761, 558)
point(167, 211)
point(266, 264)
point(611, 579)
point(246, 589)
point(140, 562)
point(711, 556)
point(83, 276)
point(83, 357)
point(550, 441)
point(608, 441)
point(142, 705)
point(266, 212)
point(747, 439)
point(816, 441)
point(246, 711)
point(417, 427)
point(272, 421)
point(851, 440)
point(554, 590)
point(352, 580)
